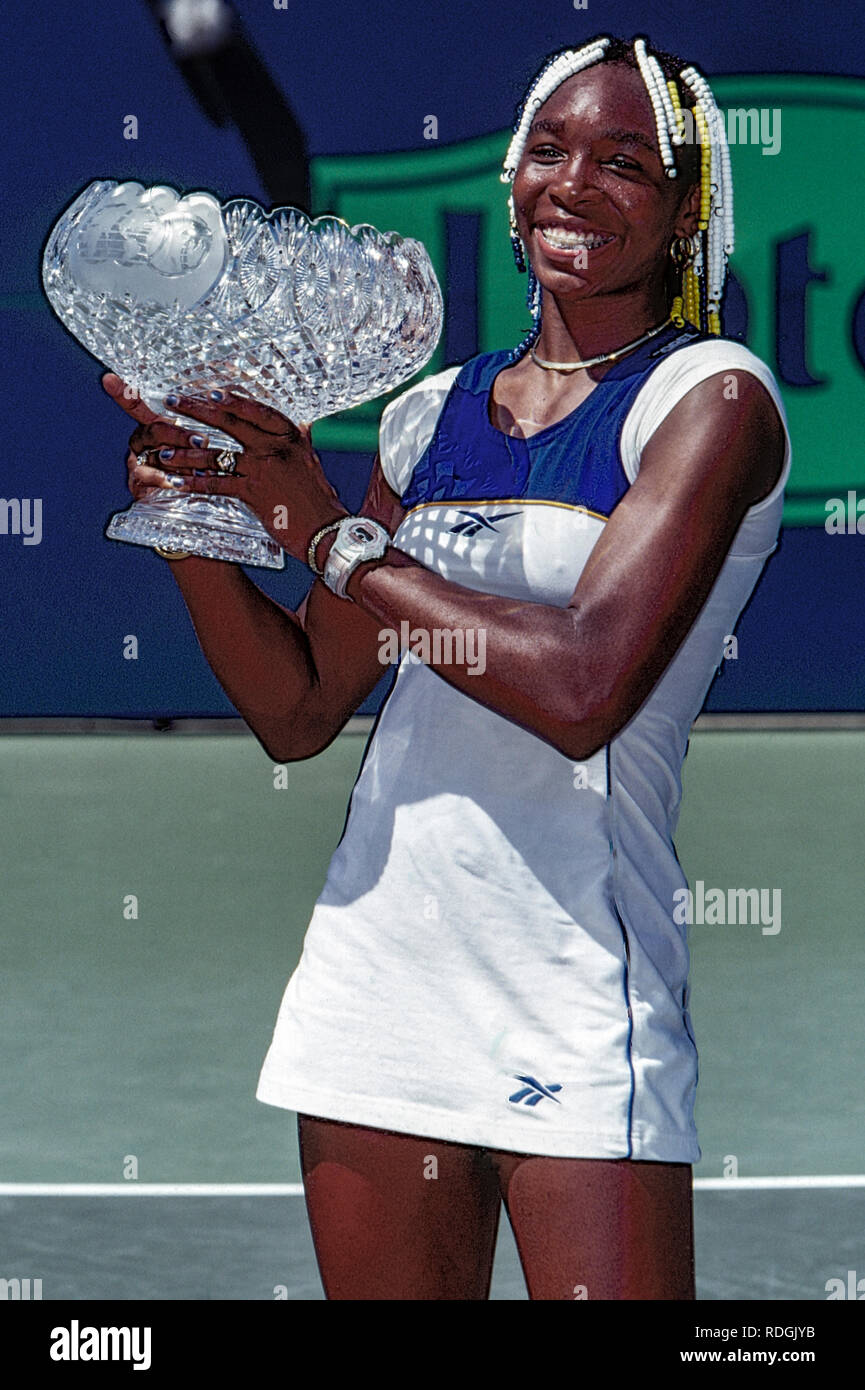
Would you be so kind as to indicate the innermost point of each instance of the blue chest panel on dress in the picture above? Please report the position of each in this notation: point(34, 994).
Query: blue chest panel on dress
point(576, 460)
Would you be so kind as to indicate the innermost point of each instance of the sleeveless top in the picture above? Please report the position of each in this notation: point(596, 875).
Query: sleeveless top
point(496, 957)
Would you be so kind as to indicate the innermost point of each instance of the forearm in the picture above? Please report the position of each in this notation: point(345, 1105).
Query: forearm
point(523, 660)
point(257, 651)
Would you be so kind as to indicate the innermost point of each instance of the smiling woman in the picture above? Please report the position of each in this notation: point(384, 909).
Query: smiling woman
point(492, 1001)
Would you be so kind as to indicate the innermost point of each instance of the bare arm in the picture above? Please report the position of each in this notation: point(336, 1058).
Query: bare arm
point(575, 676)
point(295, 677)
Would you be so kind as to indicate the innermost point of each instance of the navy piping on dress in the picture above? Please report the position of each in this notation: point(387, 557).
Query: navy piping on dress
point(626, 971)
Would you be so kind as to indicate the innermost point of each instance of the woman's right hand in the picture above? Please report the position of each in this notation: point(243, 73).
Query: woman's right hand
point(142, 477)
point(146, 473)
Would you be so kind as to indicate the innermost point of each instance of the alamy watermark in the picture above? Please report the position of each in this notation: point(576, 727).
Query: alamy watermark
point(21, 516)
point(438, 646)
point(845, 517)
point(21, 1290)
point(852, 1288)
point(743, 125)
point(77, 1343)
point(731, 907)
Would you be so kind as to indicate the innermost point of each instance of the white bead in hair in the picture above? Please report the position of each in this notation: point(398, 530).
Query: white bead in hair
point(665, 116)
point(671, 122)
point(720, 235)
point(721, 170)
point(566, 65)
point(711, 251)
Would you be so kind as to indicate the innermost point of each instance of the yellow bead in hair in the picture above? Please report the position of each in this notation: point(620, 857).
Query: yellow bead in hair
point(677, 107)
point(692, 297)
point(705, 166)
point(686, 304)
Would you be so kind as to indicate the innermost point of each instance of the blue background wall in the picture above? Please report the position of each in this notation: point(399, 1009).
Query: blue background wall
point(361, 78)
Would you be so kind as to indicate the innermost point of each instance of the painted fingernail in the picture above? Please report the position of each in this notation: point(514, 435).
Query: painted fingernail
point(217, 396)
point(166, 454)
point(171, 400)
point(197, 441)
point(175, 480)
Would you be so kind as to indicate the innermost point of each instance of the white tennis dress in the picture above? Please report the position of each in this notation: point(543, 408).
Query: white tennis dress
point(494, 959)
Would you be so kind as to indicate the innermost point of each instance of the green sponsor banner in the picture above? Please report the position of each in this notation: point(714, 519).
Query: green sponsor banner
point(800, 230)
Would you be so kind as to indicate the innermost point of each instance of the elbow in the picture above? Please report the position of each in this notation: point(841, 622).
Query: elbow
point(584, 697)
point(296, 740)
point(280, 754)
point(586, 724)
point(581, 740)
point(294, 751)
point(287, 741)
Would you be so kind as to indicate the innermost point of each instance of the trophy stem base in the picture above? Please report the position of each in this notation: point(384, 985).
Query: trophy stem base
point(216, 528)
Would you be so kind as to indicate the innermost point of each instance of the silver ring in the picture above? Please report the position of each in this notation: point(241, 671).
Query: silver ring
point(141, 459)
point(226, 462)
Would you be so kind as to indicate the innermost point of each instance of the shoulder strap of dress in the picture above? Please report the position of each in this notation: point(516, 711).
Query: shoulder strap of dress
point(674, 376)
point(408, 424)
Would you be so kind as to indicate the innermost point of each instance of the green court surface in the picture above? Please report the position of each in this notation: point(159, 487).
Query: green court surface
point(133, 1043)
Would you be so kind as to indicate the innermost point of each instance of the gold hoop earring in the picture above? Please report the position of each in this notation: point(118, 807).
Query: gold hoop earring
point(681, 251)
point(682, 254)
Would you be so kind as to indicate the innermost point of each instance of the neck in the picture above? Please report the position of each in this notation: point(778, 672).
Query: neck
point(590, 327)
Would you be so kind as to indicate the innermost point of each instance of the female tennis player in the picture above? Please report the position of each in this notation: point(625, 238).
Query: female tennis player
point(492, 1001)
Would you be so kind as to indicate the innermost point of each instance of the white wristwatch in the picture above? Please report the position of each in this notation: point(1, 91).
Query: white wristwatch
point(358, 539)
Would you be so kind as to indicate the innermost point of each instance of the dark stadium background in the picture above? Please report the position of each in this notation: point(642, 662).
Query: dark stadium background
point(359, 79)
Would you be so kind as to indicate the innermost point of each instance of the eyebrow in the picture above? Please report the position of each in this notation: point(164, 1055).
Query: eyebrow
point(629, 137)
point(621, 137)
point(552, 126)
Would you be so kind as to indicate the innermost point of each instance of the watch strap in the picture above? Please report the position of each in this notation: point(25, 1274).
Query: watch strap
point(358, 540)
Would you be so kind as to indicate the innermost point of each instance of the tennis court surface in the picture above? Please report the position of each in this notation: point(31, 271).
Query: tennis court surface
point(156, 888)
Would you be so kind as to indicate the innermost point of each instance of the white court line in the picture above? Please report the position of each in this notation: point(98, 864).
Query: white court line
point(295, 1189)
point(151, 1189)
point(773, 1184)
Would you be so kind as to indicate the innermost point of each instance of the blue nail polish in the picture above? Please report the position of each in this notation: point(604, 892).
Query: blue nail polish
point(171, 400)
point(166, 454)
point(197, 441)
point(216, 396)
point(176, 480)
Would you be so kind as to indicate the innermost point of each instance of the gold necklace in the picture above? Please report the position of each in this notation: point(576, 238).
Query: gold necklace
point(595, 361)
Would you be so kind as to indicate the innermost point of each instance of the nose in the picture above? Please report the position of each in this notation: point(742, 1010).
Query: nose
point(571, 179)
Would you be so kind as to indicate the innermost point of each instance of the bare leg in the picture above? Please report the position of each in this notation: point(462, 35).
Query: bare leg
point(394, 1216)
point(600, 1228)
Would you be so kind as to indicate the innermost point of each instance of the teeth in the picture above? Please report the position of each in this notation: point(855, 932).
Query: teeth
point(566, 240)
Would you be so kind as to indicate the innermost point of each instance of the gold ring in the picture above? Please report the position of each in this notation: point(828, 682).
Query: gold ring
point(172, 554)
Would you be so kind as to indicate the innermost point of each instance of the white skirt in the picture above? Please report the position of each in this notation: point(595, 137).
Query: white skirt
point(467, 974)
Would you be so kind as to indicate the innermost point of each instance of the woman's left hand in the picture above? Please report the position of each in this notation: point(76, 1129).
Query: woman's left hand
point(278, 474)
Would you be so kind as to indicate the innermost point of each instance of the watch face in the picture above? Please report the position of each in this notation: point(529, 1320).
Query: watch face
point(360, 533)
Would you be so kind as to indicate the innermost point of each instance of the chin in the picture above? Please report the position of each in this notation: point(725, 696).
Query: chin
point(574, 284)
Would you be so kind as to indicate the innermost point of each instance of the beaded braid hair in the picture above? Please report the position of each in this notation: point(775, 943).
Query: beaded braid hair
point(678, 94)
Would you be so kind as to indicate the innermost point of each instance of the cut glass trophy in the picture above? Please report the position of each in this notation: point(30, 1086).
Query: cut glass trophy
point(182, 294)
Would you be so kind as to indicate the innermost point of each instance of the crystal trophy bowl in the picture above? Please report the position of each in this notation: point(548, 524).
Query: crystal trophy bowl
point(185, 295)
